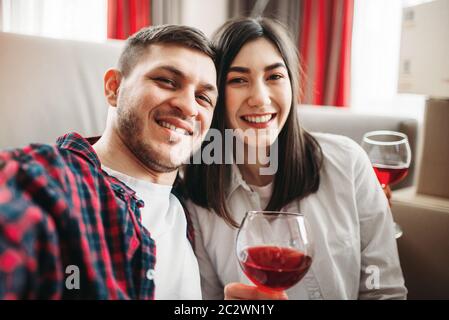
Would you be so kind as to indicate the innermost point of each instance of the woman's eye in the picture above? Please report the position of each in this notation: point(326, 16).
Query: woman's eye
point(237, 80)
point(275, 77)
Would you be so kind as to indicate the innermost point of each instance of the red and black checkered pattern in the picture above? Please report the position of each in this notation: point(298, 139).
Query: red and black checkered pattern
point(58, 209)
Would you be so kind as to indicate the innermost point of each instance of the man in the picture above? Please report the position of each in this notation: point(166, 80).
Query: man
point(83, 219)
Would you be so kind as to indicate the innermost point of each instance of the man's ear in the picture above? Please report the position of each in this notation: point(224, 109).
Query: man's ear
point(112, 80)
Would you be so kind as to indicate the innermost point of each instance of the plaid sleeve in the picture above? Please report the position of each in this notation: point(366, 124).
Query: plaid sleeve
point(29, 255)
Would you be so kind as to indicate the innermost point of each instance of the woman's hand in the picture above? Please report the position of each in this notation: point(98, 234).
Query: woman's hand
point(387, 192)
point(240, 291)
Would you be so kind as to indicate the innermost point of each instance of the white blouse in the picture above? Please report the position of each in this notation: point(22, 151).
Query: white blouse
point(356, 254)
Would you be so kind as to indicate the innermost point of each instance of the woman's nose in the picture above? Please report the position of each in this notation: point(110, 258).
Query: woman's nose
point(259, 96)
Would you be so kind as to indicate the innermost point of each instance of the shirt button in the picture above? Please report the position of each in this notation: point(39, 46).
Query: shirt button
point(150, 274)
point(140, 203)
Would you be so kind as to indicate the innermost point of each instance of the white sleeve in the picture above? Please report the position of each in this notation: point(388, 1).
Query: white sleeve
point(381, 275)
point(211, 286)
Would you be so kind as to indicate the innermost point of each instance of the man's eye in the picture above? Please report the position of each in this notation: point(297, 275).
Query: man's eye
point(237, 80)
point(167, 81)
point(205, 98)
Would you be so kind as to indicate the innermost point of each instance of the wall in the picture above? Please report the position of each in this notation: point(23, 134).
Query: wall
point(206, 15)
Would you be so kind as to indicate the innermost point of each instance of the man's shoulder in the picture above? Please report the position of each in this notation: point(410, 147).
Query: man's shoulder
point(69, 150)
point(30, 157)
point(43, 167)
point(29, 153)
point(35, 159)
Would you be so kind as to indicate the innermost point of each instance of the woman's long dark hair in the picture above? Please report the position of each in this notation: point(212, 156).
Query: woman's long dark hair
point(300, 156)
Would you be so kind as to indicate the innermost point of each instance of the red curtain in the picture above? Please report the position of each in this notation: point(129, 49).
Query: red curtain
point(126, 17)
point(325, 46)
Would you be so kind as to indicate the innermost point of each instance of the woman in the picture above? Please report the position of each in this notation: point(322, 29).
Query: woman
point(326, 177)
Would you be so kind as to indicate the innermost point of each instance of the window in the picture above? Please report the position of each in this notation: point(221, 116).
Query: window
point(69, 19)
point(375, 60)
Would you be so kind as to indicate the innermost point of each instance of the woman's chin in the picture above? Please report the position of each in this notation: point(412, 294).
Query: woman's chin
point(260, 141)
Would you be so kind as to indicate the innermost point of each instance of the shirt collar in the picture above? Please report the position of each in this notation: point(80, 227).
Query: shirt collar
point(75, 143)
point(235, 180)
point(82, 146)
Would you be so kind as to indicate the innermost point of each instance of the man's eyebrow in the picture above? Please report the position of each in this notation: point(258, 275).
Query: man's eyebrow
point(173, 70)
point(209, 87)
point(179, 73)
point(267, 68)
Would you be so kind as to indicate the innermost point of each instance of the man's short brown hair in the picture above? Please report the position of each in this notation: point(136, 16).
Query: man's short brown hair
point(137, 44)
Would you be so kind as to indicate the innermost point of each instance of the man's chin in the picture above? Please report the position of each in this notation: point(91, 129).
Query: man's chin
point(180, 153)
point(170, 162)
point(162, 164)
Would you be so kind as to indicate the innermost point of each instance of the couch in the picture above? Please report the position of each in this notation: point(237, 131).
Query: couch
point(49, 87)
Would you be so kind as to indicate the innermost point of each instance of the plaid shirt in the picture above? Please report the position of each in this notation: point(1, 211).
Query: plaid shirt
point(62, 216)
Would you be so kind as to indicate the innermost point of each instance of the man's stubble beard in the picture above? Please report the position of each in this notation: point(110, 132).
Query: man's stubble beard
point(130, 128)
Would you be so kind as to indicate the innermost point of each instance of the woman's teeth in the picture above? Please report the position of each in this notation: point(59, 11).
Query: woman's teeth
point(258, 119)
point(173, 128)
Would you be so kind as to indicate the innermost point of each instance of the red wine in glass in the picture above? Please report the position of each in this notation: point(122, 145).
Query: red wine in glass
point(390, 155)
point(275, 268)
point(389, 175)
point(274, 248)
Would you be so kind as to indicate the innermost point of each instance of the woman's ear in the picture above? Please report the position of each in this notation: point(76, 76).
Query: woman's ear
point(112, 79)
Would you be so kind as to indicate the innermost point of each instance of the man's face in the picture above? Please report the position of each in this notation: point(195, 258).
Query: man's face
point(165, 105)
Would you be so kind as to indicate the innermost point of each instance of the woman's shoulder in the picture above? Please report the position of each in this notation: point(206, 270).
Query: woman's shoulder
point(337, 145)
point(329, 140)
point(341, 152)
point(198, 212)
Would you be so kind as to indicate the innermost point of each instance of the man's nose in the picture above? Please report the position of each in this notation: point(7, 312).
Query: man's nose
point(186, 102)
point(259, 95)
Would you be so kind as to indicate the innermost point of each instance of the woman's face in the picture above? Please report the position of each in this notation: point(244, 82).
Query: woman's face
point(258, 93)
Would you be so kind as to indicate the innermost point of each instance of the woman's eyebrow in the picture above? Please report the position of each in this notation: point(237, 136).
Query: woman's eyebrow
point(267, 68)
point(274, 66)
point(239, 69)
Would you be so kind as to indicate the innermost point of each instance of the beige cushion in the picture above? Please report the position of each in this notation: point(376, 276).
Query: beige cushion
point(49, 87)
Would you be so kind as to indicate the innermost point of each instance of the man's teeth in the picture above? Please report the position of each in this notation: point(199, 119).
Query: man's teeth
point(173, 128)
point(260, 119)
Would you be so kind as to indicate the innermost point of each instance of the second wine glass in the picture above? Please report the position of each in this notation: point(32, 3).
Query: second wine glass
point(390, 155)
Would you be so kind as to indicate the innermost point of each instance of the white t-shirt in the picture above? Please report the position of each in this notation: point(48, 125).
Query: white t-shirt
point(350, 220)
point(176, 272)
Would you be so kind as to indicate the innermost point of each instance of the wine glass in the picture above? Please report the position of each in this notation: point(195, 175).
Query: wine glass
point(274, 249)
point(390, 155)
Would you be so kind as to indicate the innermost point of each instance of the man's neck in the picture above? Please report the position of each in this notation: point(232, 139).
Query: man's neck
point(114, 154)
